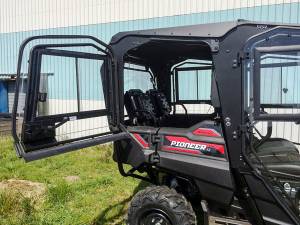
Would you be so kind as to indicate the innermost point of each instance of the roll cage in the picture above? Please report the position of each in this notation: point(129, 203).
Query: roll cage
point(231, 46)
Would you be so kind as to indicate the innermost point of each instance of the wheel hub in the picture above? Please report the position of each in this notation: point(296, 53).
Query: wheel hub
point(156, 218)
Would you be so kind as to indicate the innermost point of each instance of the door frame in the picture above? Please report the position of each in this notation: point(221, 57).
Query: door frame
point(251, 176)
point(36, 51)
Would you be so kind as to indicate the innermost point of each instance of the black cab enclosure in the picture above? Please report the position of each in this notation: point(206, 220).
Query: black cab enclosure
point(204, 109)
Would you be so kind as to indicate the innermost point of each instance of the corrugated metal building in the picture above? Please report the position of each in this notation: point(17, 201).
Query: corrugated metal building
point(103, 18)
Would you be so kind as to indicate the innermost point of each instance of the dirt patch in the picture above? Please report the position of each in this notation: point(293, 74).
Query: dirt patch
point(72, 179)
point(28, 189)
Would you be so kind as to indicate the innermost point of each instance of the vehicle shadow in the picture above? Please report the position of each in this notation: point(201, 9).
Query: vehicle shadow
point(119, 209)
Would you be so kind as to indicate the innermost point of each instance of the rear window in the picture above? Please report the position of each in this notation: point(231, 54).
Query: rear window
point(191, 87)
point(194, 84)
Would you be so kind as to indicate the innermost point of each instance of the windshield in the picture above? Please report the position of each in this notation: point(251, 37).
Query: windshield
point(272, 87)
point(137, 77)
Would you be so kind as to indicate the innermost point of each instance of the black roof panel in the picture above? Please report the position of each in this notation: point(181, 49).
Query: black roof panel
point(209, 30)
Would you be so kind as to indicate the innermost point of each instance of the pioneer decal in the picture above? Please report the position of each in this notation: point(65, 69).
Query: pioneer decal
point(188, 145)
point(185, 145)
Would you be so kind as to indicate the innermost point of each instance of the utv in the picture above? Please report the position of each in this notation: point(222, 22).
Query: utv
point(209, 114)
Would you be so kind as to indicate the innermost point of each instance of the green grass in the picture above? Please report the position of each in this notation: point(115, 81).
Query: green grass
point(100, 196)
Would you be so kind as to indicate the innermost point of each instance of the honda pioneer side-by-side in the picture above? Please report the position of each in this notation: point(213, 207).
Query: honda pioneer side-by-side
point(209, 114)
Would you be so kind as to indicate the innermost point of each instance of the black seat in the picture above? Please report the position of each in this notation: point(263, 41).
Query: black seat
point(140, 108)
point(280, 156)
point(276, 145)
point(159, 100)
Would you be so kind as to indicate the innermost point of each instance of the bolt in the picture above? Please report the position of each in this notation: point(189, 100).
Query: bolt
point(235, 135)
point(227, 122)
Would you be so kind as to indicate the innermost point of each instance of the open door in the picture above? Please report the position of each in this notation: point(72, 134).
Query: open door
point(272, 78)
point(70, 100)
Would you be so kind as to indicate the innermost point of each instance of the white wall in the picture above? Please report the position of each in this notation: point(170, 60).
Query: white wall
point(78, 128)
point(25, 15)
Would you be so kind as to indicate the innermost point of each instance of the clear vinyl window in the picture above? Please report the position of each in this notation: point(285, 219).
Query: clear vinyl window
point(276, 83)
point(69, 85)
point(280, 78)
point(137, 77)
point(194, 85)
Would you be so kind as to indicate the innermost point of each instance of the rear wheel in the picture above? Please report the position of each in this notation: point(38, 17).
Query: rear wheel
point(160, 205)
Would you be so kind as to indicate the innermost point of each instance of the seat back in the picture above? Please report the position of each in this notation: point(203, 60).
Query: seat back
point(140, 108)
point(146, 108)
point(162, 106)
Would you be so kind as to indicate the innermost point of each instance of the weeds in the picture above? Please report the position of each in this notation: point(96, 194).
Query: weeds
point(14, 205)
point(8, 201)
point(100, 196)
point(59, 193)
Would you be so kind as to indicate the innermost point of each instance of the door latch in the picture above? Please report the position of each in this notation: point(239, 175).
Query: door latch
point(156, 143)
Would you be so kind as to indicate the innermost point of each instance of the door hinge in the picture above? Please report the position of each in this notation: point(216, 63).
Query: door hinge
point(243, 55)
point(238, 133)
point(240, 57)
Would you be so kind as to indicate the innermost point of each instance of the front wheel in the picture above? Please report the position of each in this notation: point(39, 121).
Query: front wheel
point(160, 205)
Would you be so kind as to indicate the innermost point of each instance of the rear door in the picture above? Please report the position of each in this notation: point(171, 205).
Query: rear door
point(70, 96)
point(272, 79)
